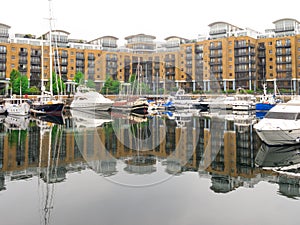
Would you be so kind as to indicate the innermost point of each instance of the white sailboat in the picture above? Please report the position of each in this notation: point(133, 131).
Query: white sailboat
point(47, 103)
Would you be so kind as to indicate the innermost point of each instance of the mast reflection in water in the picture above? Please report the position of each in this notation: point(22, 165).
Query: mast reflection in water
point(142, 152)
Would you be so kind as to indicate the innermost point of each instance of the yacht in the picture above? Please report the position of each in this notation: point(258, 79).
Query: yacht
point(281, 125)
point(181, 100)
point(89, 99)
point(265, 103)
point(16, 106)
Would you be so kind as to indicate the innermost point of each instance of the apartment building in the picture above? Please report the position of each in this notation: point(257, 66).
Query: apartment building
point(227, 58)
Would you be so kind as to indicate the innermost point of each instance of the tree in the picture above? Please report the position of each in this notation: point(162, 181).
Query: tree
point(18, 81)
point(79, 78)
point(90, 83)
point(14, 75)
point(111, 86)
point(59, 84)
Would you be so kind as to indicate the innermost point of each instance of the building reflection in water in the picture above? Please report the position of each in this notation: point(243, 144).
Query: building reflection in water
point(224, 149)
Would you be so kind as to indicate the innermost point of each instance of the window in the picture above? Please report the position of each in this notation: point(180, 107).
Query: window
point(270, 51)
point(270, 43)
point(270, 59)
point(271, 67)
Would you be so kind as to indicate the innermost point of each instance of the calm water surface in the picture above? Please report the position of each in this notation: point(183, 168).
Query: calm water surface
point(113, 168)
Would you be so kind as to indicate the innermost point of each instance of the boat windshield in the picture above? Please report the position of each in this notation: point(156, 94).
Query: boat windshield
point(282, 115)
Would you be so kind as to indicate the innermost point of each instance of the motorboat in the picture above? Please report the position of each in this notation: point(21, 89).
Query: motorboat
point(181, 100)
point(266, 101)
point(16, 106)
point(281, 125)
point(88, 99)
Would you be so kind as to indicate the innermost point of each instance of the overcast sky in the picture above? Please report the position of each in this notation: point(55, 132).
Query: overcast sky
point(90, 19)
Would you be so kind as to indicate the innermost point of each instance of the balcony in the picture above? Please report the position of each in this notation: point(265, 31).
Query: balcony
point(79, 56)
point(64, 54)
point(23, 53)
point(219, 62)
point(215, 55)
point(35, 53)
point(33, 62)
point(22, 68)
point(35, 70)
point(2, 67)
point(215, 32)
point(23, 61)
point(284, 29)
point(91, 57)
point(282, 70)
point(4, 35)
point(240, 45)
point(217, 47)
point(198, 50)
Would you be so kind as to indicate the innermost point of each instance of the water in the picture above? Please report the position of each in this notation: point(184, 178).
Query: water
point(121, 169)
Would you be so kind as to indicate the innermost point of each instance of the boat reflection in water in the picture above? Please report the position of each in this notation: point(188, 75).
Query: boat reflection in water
point(123, 147)
point(284, 161)
point(285, 156)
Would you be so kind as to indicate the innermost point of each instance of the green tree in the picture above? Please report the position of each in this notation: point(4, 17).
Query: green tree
point(90, 84)
point(34, 90)
point(79, 78)
point(14, 75)
point(18, 81)
point(111, 86)
point(55, 84)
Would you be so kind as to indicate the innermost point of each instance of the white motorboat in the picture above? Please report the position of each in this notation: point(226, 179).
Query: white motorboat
point(181, 100)
point(281, 125)
point(88, 99)
point(243, 102)
point(17, 106)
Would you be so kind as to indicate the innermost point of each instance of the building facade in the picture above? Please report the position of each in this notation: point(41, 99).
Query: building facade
point(227, 58)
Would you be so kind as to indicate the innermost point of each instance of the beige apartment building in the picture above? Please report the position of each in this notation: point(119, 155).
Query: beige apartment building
point(227, 58)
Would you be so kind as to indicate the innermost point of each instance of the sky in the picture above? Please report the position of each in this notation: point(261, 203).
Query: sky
point(91, 19)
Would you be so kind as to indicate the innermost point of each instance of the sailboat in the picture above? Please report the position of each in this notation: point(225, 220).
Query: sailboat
point(133, 101)
point(47, 103)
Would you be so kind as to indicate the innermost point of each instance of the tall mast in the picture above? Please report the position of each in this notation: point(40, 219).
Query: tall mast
point(50, 45)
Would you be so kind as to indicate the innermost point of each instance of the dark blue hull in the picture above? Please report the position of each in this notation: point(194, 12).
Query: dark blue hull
point(50, 109)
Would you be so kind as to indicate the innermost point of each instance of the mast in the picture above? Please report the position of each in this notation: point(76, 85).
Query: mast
point(42, 56)
point(50, 46)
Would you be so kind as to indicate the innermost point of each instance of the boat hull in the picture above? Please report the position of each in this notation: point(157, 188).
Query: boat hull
point(50, 109)
point(279, 137)
point(264, 106)
point(91, 106)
